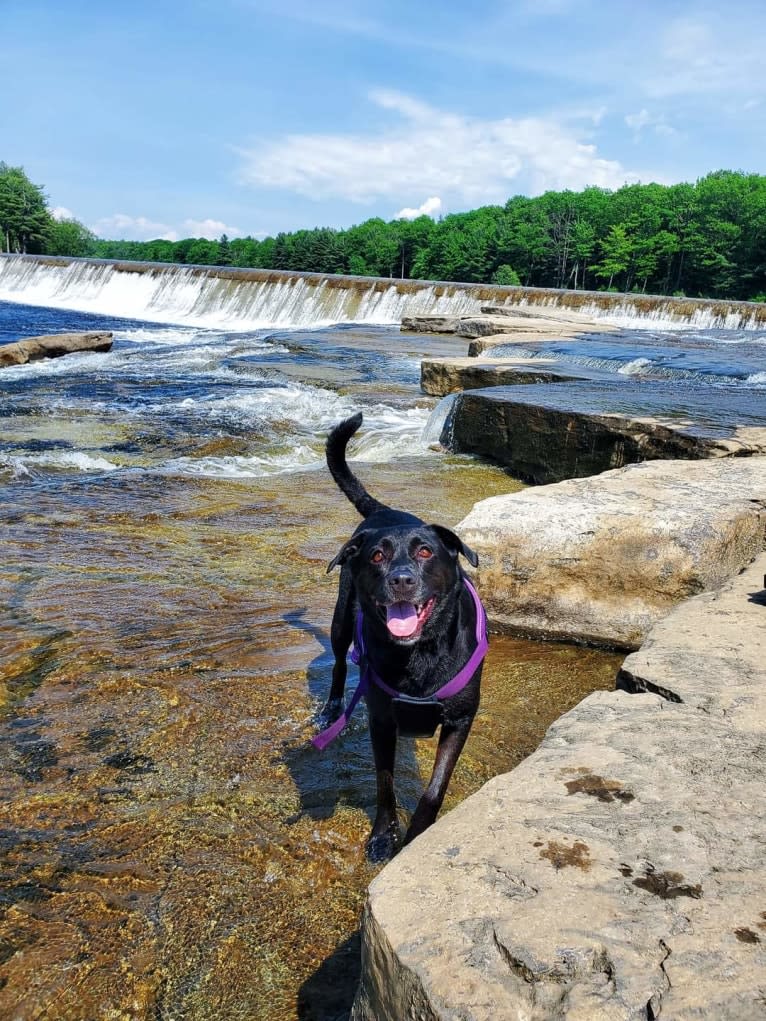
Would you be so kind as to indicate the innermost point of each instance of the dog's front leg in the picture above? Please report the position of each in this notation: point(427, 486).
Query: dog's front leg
point(451, 741)
point(341, 636)
point(385, 837)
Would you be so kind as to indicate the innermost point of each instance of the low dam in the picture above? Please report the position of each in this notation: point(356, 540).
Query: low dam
point(252, 298)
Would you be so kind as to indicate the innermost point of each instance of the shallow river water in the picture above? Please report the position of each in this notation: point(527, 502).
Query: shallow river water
point(172, 845)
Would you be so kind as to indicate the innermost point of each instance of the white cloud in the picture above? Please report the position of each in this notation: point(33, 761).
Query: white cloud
point(62, 213)
point(435, 152)
point(638, 120)
point(643, 119)
point(210, 229)
point(132, 228)
point(431, 207)
point(140, 228)
point(710, 54)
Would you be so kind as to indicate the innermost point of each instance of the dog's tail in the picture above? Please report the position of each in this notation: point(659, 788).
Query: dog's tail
point(347, 482)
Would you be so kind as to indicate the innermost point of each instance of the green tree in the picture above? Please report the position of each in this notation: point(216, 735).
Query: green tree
point(223, 256)
point(413, 238)
point(506, 276)
point(523, 239)
point(69, 237)
point(374, 245)
point(202, 252)
point(249, 252)
point(706, 238)
point(158, 250)
point(24, 218)
point(616, 250)
point(583, 242)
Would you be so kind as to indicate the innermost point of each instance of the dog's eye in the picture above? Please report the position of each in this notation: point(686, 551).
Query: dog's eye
point(424, 553)
point(377, 557)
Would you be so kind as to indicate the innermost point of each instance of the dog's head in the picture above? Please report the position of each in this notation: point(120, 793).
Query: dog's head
point(404, 576)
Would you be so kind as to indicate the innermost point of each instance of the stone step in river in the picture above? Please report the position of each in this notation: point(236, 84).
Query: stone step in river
point(558, 431)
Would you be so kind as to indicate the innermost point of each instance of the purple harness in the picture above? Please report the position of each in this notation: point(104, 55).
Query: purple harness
point(367, 674)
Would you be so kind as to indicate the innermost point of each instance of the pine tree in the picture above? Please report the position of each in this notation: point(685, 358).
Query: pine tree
point(24, 217)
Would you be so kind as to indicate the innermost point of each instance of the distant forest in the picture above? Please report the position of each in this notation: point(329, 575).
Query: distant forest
point(706, 239)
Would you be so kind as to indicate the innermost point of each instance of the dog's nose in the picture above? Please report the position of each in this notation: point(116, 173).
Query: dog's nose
point(402, 581)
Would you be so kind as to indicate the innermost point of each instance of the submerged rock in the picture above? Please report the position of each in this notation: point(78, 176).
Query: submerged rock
point(53, 346)
point(600, 560)
point(618, 872)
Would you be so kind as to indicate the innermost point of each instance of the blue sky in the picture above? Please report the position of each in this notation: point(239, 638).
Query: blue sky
point(178, 118)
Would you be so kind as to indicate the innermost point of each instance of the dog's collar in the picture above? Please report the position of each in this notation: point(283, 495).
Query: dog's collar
point(367, 674)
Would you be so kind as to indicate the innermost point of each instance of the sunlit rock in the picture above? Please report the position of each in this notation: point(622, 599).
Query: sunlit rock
point(601, 560)
point(618, 872)
point(53, 346)
point(440, 376)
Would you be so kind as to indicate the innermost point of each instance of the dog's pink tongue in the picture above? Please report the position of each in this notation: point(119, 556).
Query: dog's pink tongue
point(402, 619)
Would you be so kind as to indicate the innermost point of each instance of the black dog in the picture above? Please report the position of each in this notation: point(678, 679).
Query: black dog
point(418, 624)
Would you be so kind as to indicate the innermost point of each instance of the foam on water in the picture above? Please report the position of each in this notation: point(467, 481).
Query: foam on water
point(165, 392)
point(22, 466)
point(300, 457)
point(388, 434)
point(635, 367)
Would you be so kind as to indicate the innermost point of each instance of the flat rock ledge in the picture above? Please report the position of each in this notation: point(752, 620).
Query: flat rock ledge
point(601, 560)
point(53, 345)
point(496, 325)
point(442, 376)
point(565, 430)
point(618, 873)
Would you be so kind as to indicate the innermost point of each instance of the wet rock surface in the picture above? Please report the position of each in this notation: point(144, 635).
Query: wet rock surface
point(441, 376)
point(603, 559)
point(571, 430)
point(618, 872)
point(53, 346)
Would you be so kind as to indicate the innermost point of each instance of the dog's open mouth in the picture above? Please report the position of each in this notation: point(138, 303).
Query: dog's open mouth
point(406, 620)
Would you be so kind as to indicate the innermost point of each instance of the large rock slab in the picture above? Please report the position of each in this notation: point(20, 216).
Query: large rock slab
point(441, 376)
point(617, 874)
point(710, 652)
point(560, 431)
point(508, 321)
point(601, 560)
point(551, 312)
point(430, 324)
point(490, 325)
point(53, 346)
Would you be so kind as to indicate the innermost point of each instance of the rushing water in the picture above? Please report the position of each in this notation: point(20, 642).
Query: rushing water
point(172, 845)
point(684, 355)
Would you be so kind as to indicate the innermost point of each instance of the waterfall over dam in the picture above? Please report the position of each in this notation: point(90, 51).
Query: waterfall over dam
point(226, 297)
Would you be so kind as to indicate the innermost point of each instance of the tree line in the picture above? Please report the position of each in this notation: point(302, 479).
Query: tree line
point(706, 239)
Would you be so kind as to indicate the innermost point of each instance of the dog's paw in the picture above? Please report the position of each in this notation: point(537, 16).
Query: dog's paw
point(383, 846)
point(380, 849)
point(329, 713)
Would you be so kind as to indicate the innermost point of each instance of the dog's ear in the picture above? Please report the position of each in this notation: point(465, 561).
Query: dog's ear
point(347, 550)
point(455, 544)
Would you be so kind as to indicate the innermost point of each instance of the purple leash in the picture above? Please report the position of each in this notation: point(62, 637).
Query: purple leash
point(452, 687)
